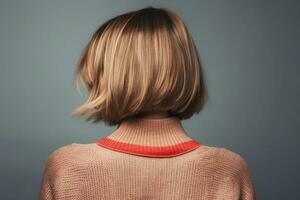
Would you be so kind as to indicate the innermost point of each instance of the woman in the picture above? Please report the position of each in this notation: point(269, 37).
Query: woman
point(142, 73)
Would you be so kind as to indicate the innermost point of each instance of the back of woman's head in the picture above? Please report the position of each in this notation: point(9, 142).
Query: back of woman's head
point(141, 62)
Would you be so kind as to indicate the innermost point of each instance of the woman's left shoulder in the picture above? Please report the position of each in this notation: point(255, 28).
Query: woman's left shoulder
point(69, 156)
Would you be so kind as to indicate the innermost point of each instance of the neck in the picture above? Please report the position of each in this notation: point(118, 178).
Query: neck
point(154, 137)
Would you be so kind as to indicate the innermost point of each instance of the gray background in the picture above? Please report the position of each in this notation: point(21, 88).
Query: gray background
point(250, 52)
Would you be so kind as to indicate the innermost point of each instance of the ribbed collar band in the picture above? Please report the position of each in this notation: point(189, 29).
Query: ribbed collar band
point(150, 137)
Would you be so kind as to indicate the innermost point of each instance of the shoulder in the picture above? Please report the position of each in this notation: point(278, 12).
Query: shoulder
point(70, 157)
point(229, 167)
point(65, 170)
point(223, 154)
point(231, 156)
point(58, 155)
point(225, 161)
point(238, 172)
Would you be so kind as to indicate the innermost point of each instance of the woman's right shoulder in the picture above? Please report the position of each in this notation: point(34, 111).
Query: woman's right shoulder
point(230, 155)
point(224, 158)
point(233, 166)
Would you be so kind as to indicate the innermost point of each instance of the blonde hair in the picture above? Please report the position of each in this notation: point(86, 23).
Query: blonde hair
point(139, 62)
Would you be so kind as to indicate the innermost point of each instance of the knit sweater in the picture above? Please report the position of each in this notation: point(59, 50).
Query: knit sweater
point(146, 159)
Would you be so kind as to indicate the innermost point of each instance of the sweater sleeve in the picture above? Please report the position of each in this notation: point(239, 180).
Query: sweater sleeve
point(63, 175)
point(247, 188)
point(46, 192)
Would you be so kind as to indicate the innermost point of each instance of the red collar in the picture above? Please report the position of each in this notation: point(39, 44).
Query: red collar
point(149, 151)
point(162, 137)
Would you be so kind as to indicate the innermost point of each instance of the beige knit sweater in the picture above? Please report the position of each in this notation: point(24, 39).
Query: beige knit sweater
point(146, 159)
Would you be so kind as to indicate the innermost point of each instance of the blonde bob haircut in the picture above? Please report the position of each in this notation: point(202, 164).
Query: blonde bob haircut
point(140, 62)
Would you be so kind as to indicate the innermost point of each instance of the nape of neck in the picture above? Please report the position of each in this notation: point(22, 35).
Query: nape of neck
point(152, 137)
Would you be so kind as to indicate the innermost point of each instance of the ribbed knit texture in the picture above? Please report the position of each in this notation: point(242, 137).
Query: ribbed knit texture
point(146, 159)
point(164, 137)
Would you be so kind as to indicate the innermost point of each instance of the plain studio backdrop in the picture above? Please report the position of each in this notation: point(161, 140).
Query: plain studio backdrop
point(250, 55)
